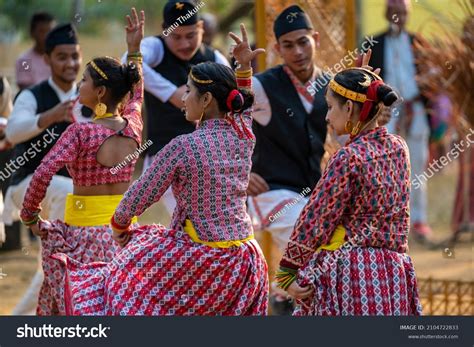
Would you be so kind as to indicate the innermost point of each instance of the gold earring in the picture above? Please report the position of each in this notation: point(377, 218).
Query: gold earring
point(348, 126)
point(100, 109)
point(202, 115)
point(356, 130)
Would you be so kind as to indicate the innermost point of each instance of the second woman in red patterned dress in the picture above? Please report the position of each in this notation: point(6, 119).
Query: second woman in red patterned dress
point(208, 262)
point(90, 151)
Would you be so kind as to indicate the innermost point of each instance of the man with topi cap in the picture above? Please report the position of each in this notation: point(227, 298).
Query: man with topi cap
point(39, 117)
point(167, 60)
point(290, 129)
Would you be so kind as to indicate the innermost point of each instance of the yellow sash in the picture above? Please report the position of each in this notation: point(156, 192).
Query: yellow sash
point(89, 211)
point(336, 241)
point(189, 229)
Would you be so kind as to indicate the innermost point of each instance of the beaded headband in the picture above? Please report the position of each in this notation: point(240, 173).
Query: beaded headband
point(99, 71)
point(347, 93)
point(197, 80)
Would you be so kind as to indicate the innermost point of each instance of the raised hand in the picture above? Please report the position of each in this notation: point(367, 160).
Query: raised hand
point(135, 30)
point(242, 52)
point(364, 63)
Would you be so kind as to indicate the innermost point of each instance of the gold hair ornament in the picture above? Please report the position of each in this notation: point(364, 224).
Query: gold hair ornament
point(99, 71)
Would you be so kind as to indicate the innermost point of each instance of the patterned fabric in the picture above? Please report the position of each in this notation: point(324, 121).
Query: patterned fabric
point(300, 87)
point(365, 281)
point(208, 171)
point(365, 188)
point(163, 272)
point(77, 149)
point(84, 244)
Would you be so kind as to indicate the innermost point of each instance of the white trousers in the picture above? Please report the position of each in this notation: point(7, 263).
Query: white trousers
point(418, 145)
point(264, 213)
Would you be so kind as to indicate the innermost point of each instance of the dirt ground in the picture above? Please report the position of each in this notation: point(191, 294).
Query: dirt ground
point(455, 263)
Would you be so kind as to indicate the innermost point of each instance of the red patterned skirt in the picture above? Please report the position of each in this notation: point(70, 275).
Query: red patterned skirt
point(83, 244)
point(362, 281)
point(163, 272)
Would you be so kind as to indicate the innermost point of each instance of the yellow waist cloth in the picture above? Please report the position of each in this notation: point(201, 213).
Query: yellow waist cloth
point(336, 241)
point(189, 229)
point(89, 211)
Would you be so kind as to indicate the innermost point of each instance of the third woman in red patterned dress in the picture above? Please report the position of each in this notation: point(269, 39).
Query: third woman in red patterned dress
point(347, 254)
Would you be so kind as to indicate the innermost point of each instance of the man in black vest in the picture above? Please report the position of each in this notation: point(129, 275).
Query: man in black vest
point(394, 54)
point(40, 115)
point(290, 128)
point(167, 59)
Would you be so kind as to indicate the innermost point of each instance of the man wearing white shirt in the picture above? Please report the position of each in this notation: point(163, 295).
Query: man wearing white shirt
point(290, 129)
point(395, 56)
point(167, 60)
point(40, 115)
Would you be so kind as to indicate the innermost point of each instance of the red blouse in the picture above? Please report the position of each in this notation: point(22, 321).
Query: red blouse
point(77, 150)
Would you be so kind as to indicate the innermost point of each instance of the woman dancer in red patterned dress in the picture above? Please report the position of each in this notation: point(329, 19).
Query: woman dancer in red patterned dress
point(90, 151)
point(347, 254)
point(208, 262)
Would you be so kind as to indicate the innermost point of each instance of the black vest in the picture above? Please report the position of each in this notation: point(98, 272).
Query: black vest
point(289, 149)
point(165, 121)
point(46, 98)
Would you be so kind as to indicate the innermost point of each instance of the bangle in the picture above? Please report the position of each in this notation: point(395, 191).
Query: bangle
point(244, 82)
point(135, 54)
point(244, 73)
point(117, 227)
point(31, 221)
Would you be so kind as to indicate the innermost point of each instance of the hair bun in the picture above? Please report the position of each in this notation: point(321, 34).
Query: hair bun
point(235, 100)
point(130, 74)
point(386, 94)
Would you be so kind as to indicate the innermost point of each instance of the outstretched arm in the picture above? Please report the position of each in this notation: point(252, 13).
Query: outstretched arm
point(66, 150)
point(134, 35)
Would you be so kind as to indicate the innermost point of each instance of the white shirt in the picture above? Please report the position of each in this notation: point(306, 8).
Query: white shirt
point(262, 110)
point(153, 52)
point(23, 121)
point(399, 62)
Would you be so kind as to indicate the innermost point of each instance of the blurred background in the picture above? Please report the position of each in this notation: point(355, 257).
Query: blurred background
point(445, 269)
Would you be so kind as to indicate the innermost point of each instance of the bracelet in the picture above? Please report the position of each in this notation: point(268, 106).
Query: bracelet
point(31, 221)
point(135, 54)
point(117, 227)
point(244, 82)
point(244, 73)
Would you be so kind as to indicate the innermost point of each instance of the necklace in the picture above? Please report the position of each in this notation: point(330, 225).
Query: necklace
point(106, 115)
